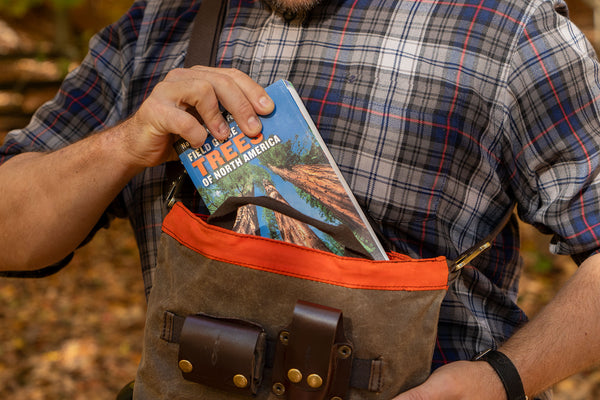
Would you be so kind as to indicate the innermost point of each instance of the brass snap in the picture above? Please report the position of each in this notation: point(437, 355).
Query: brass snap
point(278, 389)
point(284, 337)
point(294, 375)
point(344, 351)
point(314, 381)
point(240, 381)
point(186, 366)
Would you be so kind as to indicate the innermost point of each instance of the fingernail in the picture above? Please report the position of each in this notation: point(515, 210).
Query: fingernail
point(266, 102)
point(254, 123)
point(223, 130)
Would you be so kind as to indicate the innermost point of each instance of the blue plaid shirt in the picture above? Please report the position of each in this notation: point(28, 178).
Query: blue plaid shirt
point(439, 114)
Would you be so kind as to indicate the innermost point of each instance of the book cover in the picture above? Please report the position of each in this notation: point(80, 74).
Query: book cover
point(289, 162)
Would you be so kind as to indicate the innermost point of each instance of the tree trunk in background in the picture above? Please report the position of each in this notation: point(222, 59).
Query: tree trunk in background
point(247, 217)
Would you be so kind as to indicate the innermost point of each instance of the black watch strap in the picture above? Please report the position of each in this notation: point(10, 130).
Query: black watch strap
point(507, 372)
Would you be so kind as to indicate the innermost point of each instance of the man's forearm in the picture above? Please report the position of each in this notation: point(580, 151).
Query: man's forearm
point(564, 337)
point(561, 340)
point(51, 201)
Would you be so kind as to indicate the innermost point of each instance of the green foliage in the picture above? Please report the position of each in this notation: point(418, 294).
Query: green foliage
point(542, 264)
point(18, 8)
point(325, 212)
point(293, 152)
point(333, 245)
point(313, 156)
point(269, 217)
point(65, 4)
point(280, 156)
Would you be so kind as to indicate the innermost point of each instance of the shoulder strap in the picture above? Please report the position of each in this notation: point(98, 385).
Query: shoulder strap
point(204, 41)
point(202, 50)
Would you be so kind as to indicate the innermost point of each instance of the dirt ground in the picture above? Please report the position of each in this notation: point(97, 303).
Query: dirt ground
point(78, 334)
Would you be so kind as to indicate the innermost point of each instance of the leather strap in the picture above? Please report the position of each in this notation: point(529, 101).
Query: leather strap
point(223, 353)
point(204, 40)
point(507, 372)
point(484, 244)
point(313, 358)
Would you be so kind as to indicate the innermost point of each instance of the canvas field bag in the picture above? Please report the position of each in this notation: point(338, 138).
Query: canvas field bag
point(233, 316)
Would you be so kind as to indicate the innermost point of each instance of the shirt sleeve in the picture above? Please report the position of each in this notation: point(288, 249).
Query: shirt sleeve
point(89, 100)
point(553, 128)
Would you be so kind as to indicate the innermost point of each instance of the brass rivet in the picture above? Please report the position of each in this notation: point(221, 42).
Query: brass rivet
point(314, 381)
point(344, 351)
point(185, 366)
point(240, 381)
point(278, 388)
point(294, 375)
point(284, 337)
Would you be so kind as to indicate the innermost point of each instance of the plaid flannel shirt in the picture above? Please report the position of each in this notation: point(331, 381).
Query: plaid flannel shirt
point(439, 114)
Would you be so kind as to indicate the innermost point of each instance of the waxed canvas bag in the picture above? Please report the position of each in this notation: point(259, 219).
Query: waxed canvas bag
point(384, 314)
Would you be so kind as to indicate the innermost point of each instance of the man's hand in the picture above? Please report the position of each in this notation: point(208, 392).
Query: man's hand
point(461, 380)
point(148, 135)
point(52, 200)
point(561, 340)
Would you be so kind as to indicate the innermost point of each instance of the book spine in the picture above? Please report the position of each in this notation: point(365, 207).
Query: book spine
point(381, 254)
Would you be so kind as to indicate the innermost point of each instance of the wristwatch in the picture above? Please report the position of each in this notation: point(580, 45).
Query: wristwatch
point(507, 372)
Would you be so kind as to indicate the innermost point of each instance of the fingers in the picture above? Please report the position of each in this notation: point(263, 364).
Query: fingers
point(147, 136)
point(206, 88)
point(149, 133)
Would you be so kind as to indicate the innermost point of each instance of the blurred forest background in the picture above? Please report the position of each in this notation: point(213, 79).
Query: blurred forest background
point(78, 334)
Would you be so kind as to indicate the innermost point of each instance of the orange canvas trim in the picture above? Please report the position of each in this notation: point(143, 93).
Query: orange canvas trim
point(401, 273)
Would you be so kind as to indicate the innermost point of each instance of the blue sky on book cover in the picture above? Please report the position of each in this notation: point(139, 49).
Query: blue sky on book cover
point(288, 160)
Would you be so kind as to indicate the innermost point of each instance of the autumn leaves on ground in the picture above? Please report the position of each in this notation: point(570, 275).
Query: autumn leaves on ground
point(78, 334)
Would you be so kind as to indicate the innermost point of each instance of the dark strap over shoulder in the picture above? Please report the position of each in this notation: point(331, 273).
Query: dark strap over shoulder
point(204, 41)
point(202, 50)
point(484, 244)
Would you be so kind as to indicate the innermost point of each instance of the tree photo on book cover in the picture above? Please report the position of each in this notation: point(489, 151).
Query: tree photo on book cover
point(295, 172)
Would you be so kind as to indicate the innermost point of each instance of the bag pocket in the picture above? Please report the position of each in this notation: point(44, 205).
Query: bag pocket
point(225, 353)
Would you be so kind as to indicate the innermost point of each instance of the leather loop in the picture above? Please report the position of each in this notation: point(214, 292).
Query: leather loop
point(313, 358)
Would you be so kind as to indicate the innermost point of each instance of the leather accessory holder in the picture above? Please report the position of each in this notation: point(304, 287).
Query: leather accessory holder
point(313, 357)
point(223, 353)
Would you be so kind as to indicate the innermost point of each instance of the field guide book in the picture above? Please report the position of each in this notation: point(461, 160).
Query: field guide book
point(289, 162)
